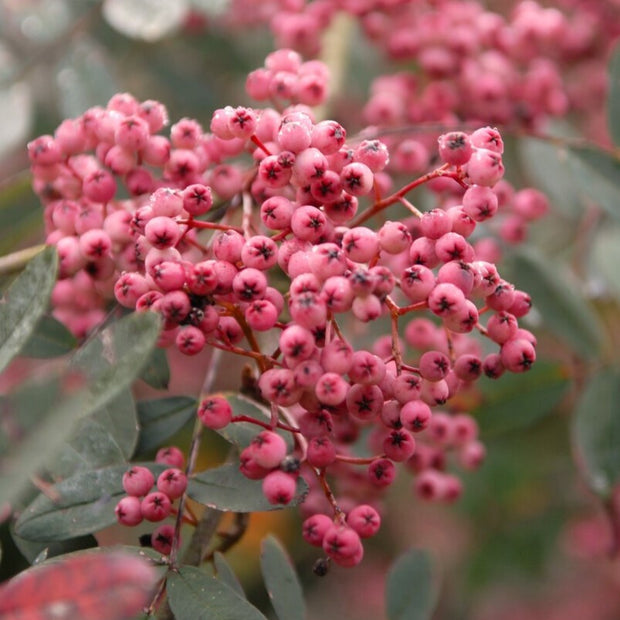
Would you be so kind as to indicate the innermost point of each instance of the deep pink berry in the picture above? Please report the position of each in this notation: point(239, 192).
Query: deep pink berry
point(399, 445)
point(381, 472)
point(343, 545)
point(155, 506)
point(279, 487)
point(365, 520)
point(321, 451)
point(162, 537)
point(314, 528)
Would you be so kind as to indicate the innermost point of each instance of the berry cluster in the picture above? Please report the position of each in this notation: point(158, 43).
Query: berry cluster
point(518, 63)
point(238, 254)
point(141, 502)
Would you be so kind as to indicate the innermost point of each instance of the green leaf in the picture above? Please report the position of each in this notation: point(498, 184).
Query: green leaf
point(411, 588)
point(161, 418)
point(547, 165)
point(518, 401)
point(613, 101)
point(36, 552)
point(81, 504)
point(281, 581)
point(25, 302)
point(157, 372)
point(49, 339)
point(36, 419)
point(596, 430)
point(597, 177)
point(225, 573)
point(114, 358)
point(105, 437)
point(101, 585)
point(556, 295)
point(193, 595)
point(241, 433)
point(227, 489)
point(606, 257)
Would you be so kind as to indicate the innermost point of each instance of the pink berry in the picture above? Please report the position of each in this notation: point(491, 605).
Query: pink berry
point(155, 506)
point(365, 520)
point(162, 537)
point(172, 456)
point(128, 511)
point(314, 528)
point(138, 481)
point(215, 412)
point(279, 487)
point(321, 451)
point(268, 449)
point(172, 482)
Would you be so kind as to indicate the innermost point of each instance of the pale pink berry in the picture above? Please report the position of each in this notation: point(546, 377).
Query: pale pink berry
point(455, 148)
point(215, 412)
point(138, 481)
point(518, 355)
point(364, 402)
point(268, 449)
point(197, 199)
point(128, 511)
point(485, 167)
point(172, 482)
point(172, 456)
point(415, 415)
point(190, 340)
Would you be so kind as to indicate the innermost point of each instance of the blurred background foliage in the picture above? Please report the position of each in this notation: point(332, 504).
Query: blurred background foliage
point(528, 538)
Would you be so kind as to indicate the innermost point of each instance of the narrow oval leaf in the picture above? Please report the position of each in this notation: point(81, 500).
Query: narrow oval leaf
point(596, 430)
point(556, 295)
point(157, 372)
point(39, 551)
point(25, 302)
point(597, 174)
point(36, 419)
point(281, 581)
point(160, 419)
point(606, 257)
point(411, 588)
point(518, 401)
point(49, 339)
point(105, 437)
point(93, 586)
point(547, 164)
point(613, 101)
point(225, 573)
point(81, 504)
point(241, 433)
point(115, 357)
point(227, 489)
point(193, 595)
